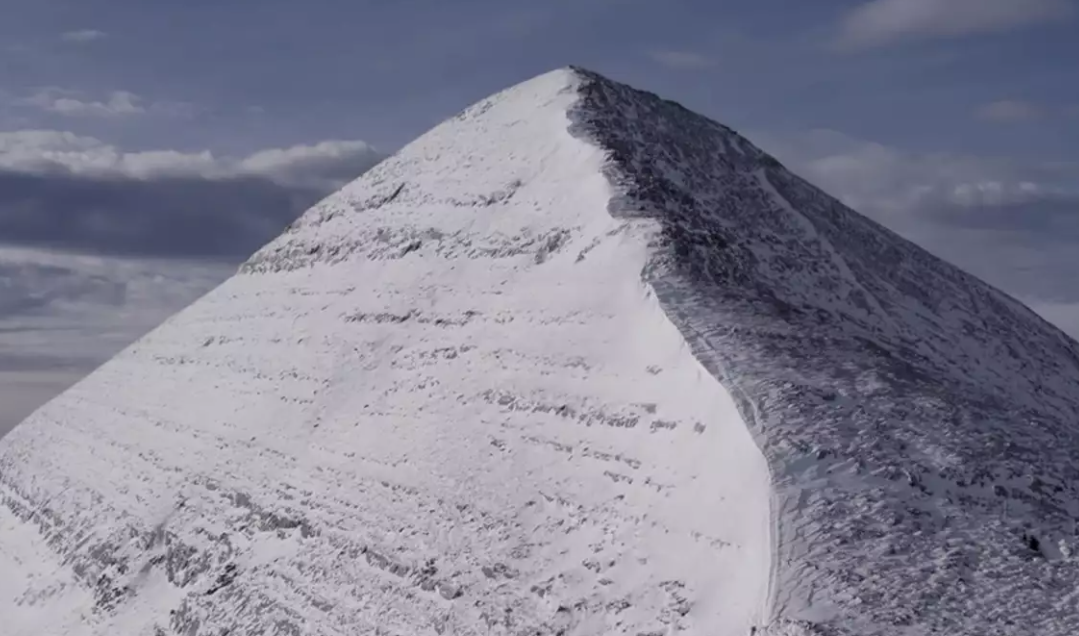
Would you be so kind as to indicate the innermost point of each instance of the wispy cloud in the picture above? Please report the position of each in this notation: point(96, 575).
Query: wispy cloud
point(886, 22)
point(67, 103)
point(83, 36)
point(687, 60)
point(326, 165)
point(1010, 111)
point(115, 104)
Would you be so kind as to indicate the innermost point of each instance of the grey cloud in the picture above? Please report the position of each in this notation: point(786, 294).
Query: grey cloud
point(1027, 249)
point(1010, 111)
point(30, 288)
point(62, 314)
point(1046, 217)
point(326, 165)
point(63, 191)
point(49, 298)
point(885, 22)
point(83, 35)
point(115, 104)
point(23, 391)
point(167, 216)
point(1012, 223)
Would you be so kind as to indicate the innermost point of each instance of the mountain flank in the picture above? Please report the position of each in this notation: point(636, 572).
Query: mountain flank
point(577, 361)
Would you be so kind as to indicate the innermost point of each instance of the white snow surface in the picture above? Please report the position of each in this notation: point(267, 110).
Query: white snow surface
point(576, 362)
point(443, 402)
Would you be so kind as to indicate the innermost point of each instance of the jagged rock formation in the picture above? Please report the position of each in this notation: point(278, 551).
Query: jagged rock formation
point(577, 361)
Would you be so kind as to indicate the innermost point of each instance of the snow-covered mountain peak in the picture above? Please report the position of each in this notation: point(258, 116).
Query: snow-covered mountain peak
point(577, 361)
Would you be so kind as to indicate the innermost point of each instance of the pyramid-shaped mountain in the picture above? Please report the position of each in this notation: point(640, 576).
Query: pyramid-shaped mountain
point(577, 361)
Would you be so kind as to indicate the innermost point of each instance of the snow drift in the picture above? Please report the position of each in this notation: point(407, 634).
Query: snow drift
point(518, 378)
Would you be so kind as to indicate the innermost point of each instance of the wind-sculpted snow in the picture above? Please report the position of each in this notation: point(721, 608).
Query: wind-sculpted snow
point(443, 402)
point(922, 427)
point(518, 378)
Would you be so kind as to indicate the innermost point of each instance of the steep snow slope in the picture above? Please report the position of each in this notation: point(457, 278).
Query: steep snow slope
point(493, 387)
point(922, 427)
point(443, 402)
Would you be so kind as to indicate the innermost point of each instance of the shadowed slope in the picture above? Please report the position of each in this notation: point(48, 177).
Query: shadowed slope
point(921, 425)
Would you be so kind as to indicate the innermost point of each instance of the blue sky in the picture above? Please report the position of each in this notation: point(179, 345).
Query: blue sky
point(276, 72)
point(132, 130)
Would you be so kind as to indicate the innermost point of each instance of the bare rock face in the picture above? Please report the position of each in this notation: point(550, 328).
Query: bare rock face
point(577, 361)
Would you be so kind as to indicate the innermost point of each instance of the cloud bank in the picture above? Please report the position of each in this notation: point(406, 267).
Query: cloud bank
point(63, 191)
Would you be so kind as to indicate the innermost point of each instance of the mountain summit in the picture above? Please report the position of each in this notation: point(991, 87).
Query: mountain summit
point(577, 361)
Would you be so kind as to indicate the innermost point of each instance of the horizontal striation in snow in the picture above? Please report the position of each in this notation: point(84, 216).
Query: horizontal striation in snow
point(476, 392)
point(443, 402)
